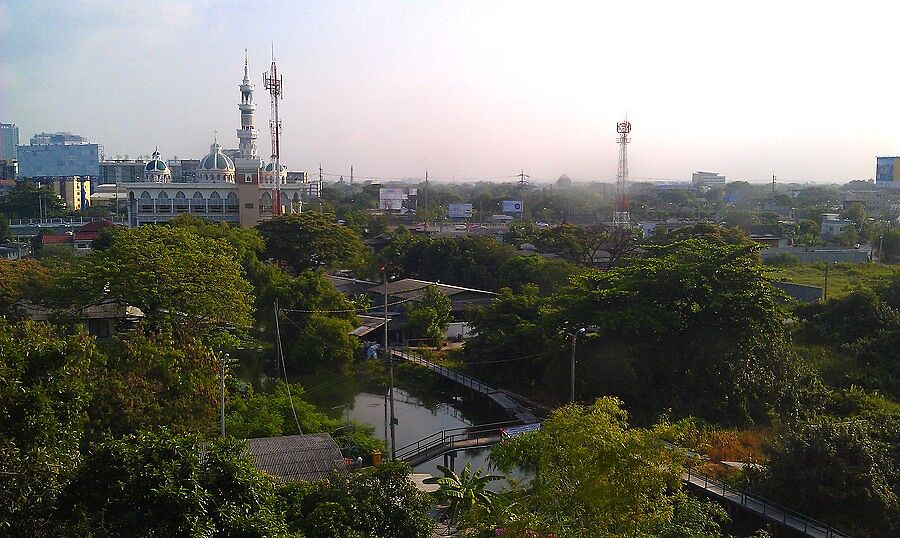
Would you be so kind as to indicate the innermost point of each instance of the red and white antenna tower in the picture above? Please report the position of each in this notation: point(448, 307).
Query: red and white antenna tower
point(273, 83)
point(620, 216)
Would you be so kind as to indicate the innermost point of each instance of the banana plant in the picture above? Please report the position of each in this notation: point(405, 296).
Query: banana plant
point(464, 491)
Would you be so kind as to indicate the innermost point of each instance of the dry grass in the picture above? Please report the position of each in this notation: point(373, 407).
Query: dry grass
point(733, 445)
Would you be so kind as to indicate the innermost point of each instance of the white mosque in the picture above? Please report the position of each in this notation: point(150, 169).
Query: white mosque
point(239, 190)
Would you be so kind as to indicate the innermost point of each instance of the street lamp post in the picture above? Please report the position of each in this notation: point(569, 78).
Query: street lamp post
point(223, 358)
point(574, 339)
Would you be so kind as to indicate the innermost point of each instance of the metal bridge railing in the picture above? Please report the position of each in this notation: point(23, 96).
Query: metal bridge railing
point(462, 379)
point(452, 437)
point(767, 508)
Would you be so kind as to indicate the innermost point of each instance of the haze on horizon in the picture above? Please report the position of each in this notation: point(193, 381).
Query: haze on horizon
point(471, 89)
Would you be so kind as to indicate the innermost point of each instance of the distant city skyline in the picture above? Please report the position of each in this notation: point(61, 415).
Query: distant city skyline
point(470, 90)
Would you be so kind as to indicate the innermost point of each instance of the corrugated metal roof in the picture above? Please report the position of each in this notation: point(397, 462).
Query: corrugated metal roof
point(288, 458)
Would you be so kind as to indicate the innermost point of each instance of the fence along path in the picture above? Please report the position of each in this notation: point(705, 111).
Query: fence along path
point(457, 439)
point(446, 441)
point(761, 507)
point(501, 397)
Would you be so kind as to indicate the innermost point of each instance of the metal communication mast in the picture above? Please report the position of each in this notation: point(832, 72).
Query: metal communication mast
point(273, 83)
point(620, 216)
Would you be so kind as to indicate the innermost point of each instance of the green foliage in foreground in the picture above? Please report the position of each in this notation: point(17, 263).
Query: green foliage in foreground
point(463, 492)
point(164, 485)
point(376, 501)
point(44, 395)
point(843, 472)
point(595, 476)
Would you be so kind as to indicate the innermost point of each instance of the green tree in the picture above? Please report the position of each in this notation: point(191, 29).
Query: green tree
point(159, 484)
point(430, 315)
point(463, 261)
point(844, 473)
point(26, 201)
point(311, 240)
point(44, 394)
point(701, 327)
point(5, 233)
point(316, 319)
point(463, 492)
point(252, 414)
point(21, 281)
point(514, 325)
point(376, 501)
point(628, 479)
point(188, 284)
point(152, 381)
point(890, 245)
point(548, 275)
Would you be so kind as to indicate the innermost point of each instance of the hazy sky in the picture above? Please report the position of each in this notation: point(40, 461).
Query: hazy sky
point(807, 90)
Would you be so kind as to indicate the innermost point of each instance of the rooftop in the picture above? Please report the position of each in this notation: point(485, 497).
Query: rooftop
point(289, 458)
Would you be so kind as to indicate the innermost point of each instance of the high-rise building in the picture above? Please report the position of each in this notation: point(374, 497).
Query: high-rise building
point(9, 139)
point(59, 155)
point(887, 174)
point(707, 178)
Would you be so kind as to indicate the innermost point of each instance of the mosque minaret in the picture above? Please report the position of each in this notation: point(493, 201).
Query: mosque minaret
point(237, 189)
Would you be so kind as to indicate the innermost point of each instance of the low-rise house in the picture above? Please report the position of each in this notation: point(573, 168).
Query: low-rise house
point(290, 458)
point(102, 321)
point(81, 239)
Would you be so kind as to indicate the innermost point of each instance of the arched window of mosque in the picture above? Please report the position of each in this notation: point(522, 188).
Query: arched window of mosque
point(265, 199)
point(179, 195)
point(214, 196)
point(232, 196)
point(163, 195)
point(198, 196)
point(145, 195)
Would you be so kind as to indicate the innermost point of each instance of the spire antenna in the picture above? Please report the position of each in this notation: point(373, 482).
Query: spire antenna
point(272, 82)
point(620, 215)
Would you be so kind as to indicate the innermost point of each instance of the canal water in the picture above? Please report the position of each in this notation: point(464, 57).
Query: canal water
point(423, 404)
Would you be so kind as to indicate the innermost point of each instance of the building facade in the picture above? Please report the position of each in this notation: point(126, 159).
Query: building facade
point(225, 185)
point(52, 155)
point(707, 178)
point(9, 139)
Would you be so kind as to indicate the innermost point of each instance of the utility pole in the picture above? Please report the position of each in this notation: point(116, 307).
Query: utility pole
point(773, 192)
point(223, 358)
point(572, 393)
point(522, 176)
point(351, 174)
point(426, 199)
point(390, 360)
point(825, 295)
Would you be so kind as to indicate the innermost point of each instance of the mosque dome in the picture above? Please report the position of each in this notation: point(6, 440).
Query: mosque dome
point(268, 174)
point(156, 170)
point(216, 160)
point(216, 166)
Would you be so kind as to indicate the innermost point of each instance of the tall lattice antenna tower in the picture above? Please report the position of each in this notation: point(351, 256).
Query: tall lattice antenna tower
point(620, 216)
point(273, 83)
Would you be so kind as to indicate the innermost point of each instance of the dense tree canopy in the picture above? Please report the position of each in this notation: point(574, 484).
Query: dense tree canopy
point(44, 395)
point(627, 478)
point(180, 281)
point(843, 472)
point(377, 501)
point(462, 261)
point(25, 201)
point(311, 240)
point(157, 484)
point(21, 282)
point(693, 326)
